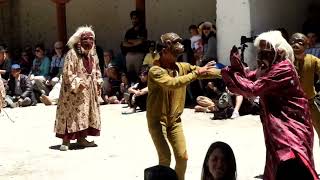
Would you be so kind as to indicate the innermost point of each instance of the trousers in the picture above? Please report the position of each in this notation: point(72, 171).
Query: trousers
point(163, 135)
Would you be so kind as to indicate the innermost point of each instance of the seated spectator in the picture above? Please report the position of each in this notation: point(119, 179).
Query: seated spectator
point(5, 63)
point(20, 91)
point(124, 86)
point(107, 55)
point(160, 172)
point(152, 56)
point(111, 93)
point(138, 93)
point(314, 46)
point(53, 97)
point(2, 93)
point(228, 105)
point(25, 63)
point(56, 66)
point(40, 70)
point(219, 163)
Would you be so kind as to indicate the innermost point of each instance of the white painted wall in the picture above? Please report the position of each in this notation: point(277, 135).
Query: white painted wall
point(252, 17)
point(233, 21)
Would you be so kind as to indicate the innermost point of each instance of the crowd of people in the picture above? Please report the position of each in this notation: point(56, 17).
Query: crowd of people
point(160, 77)
point(34, 74)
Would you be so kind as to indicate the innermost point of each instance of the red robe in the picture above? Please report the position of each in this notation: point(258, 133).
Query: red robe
point(284, 113)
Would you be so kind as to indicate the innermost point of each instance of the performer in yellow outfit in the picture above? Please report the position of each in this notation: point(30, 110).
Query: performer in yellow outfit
point(307, 66)
point(166, 98)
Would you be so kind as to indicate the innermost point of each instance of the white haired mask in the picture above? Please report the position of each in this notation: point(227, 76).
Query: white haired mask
point(276, 42)
point(76, 37)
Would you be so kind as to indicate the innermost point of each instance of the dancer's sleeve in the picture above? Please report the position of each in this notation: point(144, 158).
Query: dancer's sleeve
point(317, 66)
point(275, 79)
point(213, 72)
point(161, 77)
point(70, 73)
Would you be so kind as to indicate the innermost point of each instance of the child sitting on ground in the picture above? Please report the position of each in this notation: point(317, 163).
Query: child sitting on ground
point(138, 93)
point(111, 88)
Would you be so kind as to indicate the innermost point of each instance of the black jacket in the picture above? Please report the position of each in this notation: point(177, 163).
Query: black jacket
point(25, 85)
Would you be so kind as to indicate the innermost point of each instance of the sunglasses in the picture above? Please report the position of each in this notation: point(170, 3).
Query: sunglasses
point(206, 28)
point(58, 48)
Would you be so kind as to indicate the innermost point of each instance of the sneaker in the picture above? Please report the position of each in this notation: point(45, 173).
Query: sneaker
point(235, 114)
point(129, 111)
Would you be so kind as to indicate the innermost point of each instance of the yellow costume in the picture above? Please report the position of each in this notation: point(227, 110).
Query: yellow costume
point(306, 70)
point(165, 104)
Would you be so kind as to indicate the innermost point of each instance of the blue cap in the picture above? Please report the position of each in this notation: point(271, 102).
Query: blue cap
point(15, 66)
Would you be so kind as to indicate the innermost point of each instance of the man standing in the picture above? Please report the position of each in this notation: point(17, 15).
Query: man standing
point(166, 98)
point(284, 113)
point(134, 45)
point(78, 114)
point(307, 67)
point(20, 92)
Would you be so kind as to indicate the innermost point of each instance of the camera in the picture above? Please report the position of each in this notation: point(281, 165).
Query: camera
point(245, 39)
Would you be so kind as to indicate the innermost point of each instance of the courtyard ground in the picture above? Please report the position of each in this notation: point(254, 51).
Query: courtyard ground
point(29, 149)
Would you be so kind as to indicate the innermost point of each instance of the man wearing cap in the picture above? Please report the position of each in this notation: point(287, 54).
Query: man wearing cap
point(5, 63)
point(78, 113)
point(167, 82)
point(20, 92)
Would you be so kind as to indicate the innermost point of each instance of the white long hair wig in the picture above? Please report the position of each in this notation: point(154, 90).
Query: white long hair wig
point(277, 41)
point(75, 38)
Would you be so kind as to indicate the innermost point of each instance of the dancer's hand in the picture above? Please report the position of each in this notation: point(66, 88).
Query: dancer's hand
point(205, 69)
point(235, 59)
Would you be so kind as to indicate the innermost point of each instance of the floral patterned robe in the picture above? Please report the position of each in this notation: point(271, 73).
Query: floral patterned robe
point(78, 111)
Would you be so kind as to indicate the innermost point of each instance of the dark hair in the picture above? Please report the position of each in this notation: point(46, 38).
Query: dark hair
point(135, 13)
point(193, 27)
point(160, 173)
point(2, 49)
point(284, 33)
point(40, 46)
point(144, 69)
point(231, 172)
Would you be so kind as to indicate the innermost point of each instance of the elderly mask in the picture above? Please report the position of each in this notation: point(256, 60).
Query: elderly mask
point(266, 55)
point(87, 41)
point(172, 42)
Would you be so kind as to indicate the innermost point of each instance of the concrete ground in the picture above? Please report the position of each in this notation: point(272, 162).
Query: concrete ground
point(28, 147)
